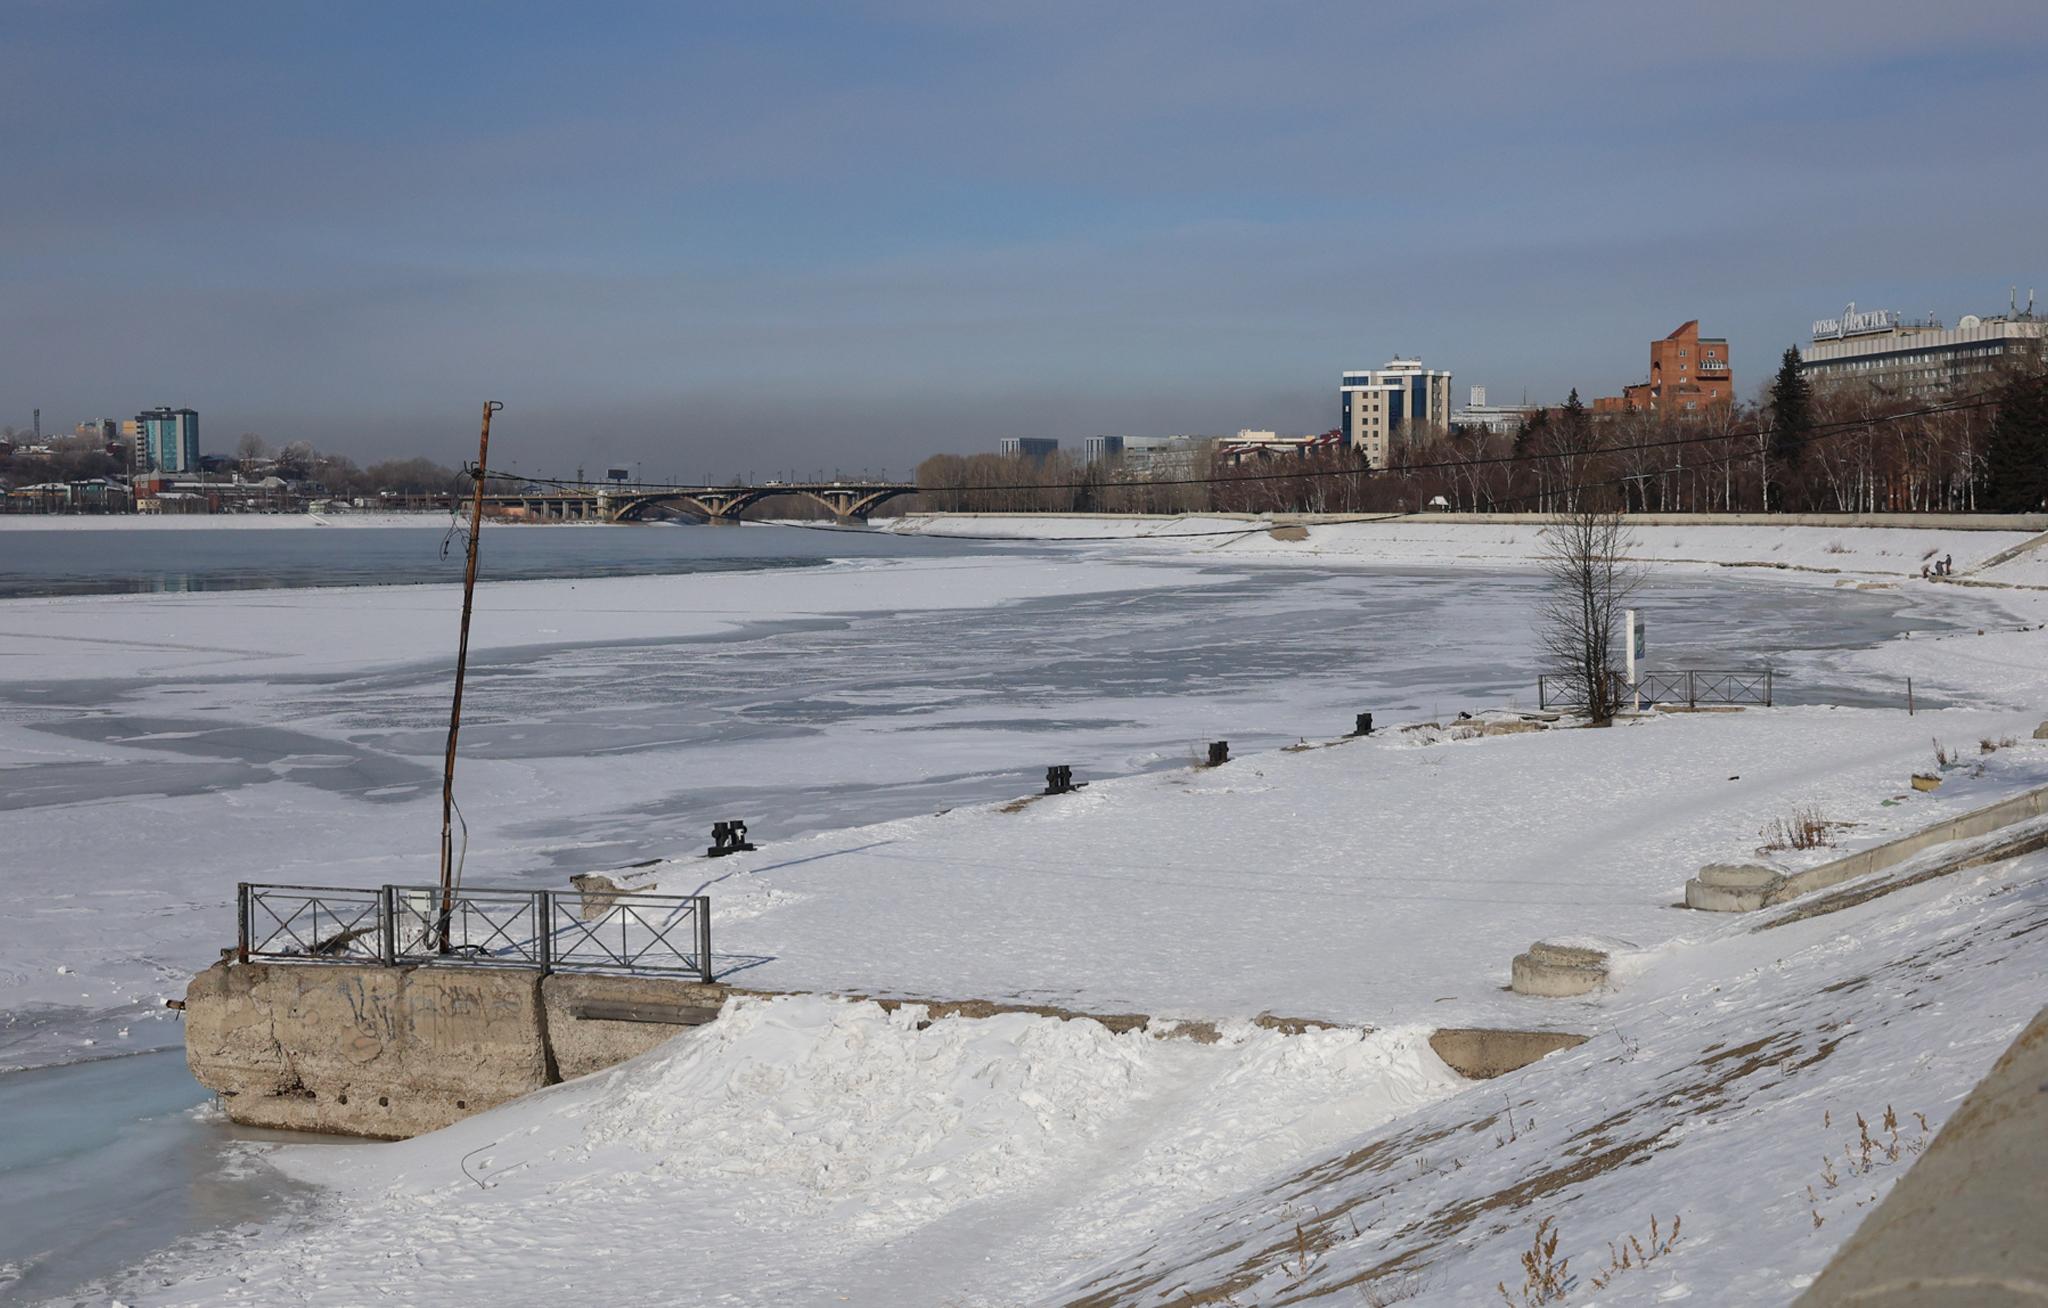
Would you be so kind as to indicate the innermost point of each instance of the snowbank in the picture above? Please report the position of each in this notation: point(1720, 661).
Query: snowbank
point(1830, 552)
point(804, 1149)
point(1721, 1096)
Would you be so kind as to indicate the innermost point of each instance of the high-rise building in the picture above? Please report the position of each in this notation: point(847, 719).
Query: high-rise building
point(1103, 449)
point(167, 440)
point(1035, 448)
point(1923, 359)
point(1389, 410)
point(1688, 374)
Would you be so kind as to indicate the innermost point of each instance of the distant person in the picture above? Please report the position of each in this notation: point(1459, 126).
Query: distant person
point(1948, 565)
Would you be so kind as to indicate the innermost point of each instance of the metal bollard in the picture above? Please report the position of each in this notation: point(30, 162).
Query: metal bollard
point(1060, 780)
point(728, 838)
point(1219, 753)
point(1364, 725)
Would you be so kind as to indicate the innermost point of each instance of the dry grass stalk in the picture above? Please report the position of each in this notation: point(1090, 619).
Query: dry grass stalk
point(1807, 828)
point(1634, 1254)
point(1546, 1278)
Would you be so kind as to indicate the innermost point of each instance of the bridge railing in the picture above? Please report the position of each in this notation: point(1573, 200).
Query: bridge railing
point(549, 931)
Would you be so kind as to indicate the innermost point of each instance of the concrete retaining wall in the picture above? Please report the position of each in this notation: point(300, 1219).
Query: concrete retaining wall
point(595, 1022)
point(392, 1052)
point(386, 1052)
point(1716, 889)
point(1981, 822)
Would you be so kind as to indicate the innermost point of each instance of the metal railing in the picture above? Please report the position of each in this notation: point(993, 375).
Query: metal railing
point(1691, 687)
point(551, 931)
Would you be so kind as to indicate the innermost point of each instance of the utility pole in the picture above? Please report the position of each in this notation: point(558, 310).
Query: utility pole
point(476, 522)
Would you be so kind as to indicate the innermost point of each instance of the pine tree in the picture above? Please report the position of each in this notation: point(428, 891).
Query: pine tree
point(1529, 438)
point(2016, 460)
point(1791, 410)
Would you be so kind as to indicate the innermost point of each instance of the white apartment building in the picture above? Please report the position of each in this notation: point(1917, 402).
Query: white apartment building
point(1499, 418)
point(1395, 408)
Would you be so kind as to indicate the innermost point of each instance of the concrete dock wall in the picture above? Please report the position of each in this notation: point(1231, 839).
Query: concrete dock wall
point(386, 1052)
point(393, 1052)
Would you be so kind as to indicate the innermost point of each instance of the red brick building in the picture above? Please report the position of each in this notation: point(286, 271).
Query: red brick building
point(1688, 374)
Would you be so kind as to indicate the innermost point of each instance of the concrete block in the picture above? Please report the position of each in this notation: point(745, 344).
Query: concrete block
point(583, 1043)
point(1558, 971)
point(385, 1052)
point(1482, 1053)
point(1734, 887)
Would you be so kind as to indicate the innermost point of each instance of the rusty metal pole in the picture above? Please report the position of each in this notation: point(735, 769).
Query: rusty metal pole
point(476, 524)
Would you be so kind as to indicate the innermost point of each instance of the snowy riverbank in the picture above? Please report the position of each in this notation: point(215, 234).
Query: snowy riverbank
point(1833, 553)
point(809, 1150)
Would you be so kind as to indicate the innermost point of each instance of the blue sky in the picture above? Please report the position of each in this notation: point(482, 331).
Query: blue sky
point(719, 239)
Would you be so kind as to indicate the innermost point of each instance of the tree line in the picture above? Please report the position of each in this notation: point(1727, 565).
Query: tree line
point(1797, 448)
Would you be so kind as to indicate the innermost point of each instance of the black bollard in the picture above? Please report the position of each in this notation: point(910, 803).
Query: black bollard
point(728, 838)
point(1060, 780)
point(1219, 753)
point(1364, 727)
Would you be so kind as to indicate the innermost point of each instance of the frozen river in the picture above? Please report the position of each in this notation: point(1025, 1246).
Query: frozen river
point(141, 776)
point(140, 799)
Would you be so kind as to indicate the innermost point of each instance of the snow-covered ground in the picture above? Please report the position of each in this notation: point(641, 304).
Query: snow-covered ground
point(1847, 553)
point(809, 1150)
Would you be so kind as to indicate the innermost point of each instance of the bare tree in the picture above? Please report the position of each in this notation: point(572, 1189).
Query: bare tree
point(1589, 584)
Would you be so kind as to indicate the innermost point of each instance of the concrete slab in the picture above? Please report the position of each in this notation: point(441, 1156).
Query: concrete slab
point(1965, 1227)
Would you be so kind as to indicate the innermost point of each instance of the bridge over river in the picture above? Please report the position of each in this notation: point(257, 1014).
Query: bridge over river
point(551, 501)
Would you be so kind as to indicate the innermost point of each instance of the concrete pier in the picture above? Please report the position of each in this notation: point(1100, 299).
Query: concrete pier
point(393, 1052)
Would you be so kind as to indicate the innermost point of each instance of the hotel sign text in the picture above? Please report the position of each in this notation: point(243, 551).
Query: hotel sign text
point(1852, 323)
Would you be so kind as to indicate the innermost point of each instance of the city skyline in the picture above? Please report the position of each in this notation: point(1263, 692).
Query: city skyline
point(795, 237)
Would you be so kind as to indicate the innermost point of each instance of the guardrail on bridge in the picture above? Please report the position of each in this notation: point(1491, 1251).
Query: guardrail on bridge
point(552, 931)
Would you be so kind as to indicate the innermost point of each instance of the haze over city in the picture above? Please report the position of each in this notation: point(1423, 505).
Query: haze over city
point(720, 240)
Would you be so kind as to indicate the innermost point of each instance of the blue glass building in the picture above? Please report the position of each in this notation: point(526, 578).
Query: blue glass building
point(166, 440)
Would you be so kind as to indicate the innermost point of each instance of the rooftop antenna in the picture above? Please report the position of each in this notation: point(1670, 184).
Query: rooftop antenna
point(476, 522)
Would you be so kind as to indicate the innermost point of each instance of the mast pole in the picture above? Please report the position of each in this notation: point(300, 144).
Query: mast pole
point(476, 522)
